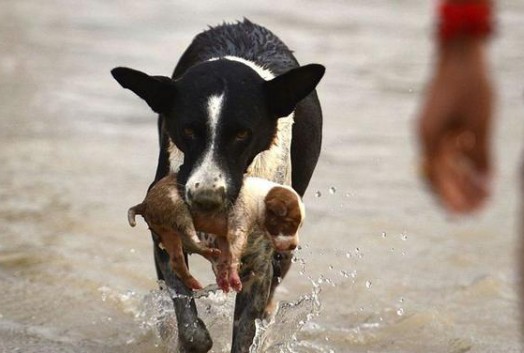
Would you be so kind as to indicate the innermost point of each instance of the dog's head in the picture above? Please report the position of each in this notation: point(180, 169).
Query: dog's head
point(220, 114)
point(285, 214)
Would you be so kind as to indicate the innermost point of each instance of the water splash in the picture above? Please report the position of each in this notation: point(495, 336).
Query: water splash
point(156, 314)
point(278, 334)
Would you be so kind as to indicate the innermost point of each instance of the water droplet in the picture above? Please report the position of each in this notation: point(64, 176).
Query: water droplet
point(357, 250)
point(348, 255)
point(132, 251)
point(368, 284)
point(331, 267)
point(401, 299)
point(318, 194)
point(384, 234)
point(404, 236)
point(332, 190)
point(347, 194)
point(400, 312)
point(109, 318)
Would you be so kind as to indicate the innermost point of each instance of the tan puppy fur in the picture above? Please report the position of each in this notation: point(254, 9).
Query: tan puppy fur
point(167, 216)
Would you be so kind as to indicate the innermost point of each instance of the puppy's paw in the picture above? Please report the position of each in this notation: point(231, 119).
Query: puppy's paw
point(211, 254)
point(234, 281)
point(223, 284)
point(192, 283)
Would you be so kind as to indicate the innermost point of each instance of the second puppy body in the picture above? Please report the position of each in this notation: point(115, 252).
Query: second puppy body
point(276, 209)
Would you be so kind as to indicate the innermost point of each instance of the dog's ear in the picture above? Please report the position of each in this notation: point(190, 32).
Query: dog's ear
point(157, 91)
point(286, 90)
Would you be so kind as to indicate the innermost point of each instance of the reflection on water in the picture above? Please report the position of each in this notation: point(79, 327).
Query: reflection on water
point(390, 271)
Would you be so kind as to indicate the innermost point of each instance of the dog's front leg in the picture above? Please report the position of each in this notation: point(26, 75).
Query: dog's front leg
point(251, 302)
point(192, 332)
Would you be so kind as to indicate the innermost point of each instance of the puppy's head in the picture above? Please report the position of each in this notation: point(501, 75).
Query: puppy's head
point(285, 214)
point(220, 114)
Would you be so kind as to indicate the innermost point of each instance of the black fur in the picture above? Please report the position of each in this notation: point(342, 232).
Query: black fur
point(252, 105)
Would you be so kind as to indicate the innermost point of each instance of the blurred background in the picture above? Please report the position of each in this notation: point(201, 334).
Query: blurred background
point(380, 269)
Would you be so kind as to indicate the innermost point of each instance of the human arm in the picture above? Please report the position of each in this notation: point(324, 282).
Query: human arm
point(456, 120)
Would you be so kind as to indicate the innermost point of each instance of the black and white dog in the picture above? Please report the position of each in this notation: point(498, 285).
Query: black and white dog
point(238, 103)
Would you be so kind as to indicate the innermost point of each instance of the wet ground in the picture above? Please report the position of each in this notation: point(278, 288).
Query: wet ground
point(391, 271)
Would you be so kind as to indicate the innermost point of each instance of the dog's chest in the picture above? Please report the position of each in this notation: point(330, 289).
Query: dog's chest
point(274, 164)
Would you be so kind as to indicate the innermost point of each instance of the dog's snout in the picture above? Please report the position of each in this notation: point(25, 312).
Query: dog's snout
point(208, 200)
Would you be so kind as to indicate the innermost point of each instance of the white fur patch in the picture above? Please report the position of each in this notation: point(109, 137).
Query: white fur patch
point(263, 72)
point(214, 107)
point(207, 174)
point(283, 242)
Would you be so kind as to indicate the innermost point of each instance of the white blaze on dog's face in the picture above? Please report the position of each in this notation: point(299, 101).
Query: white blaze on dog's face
point(285, 214)
point(208, 177)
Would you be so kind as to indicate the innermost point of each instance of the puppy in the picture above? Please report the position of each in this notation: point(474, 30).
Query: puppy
point(261, 204)
point(166, 215)
point(275, 209)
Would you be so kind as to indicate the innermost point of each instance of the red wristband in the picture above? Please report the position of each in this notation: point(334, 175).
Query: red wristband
point(464, 20)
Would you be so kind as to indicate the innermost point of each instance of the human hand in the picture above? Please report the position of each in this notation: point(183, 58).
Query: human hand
point(455, 127)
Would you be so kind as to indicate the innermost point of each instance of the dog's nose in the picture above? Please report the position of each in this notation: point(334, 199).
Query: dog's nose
point(207, 200)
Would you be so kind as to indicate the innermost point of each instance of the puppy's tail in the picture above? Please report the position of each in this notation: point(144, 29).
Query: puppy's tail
point(133, 211)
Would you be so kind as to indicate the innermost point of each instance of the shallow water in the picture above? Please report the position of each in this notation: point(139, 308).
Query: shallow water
point(381, 268)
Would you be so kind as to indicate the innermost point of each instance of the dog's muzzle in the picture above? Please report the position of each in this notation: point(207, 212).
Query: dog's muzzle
point(207, 200)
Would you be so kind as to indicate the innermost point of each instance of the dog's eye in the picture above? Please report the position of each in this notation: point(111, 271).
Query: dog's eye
point(189, 132)
point(242, 135)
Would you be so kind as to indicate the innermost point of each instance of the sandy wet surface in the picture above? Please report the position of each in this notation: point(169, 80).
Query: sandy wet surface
point(395, 273)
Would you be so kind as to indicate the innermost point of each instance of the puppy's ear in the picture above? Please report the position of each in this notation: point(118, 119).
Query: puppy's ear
point(157, 91)
point(286, 90)
point(276, 206)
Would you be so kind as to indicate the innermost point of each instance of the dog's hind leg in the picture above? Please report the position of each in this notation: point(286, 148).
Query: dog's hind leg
point(192, 332)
